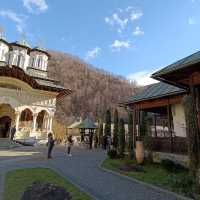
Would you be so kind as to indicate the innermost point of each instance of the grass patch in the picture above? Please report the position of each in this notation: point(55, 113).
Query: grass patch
point(16, 182)
point(154, 174)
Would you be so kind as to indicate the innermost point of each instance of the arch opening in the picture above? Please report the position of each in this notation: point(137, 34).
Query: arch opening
point(7, 118)
point(26, 120)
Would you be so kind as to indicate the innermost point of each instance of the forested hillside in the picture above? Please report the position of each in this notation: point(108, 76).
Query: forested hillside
point(94, 90)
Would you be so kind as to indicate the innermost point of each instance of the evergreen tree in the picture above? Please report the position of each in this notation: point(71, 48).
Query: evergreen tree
point(107, 130)
point(121, 138)
point(100, 132)
point(115, 129)
point(130, 134)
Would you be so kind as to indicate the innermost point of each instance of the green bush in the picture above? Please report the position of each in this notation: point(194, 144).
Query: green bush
point(112, 154)
point(184, 183)
point(171, 166)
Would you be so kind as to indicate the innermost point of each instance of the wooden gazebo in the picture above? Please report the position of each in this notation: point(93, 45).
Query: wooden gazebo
point(87, 129)
point(157, 100)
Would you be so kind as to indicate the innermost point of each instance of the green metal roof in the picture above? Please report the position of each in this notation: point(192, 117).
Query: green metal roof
point(23, 43)
point(180, 64)
point(87, 124)
point(154, 91)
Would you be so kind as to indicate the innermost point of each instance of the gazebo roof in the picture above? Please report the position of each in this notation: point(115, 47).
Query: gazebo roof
point(76, 124)
point(87, 124)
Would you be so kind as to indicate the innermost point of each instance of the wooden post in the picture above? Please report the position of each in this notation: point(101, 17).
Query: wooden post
point(155, 124)
point(138, 115)
point(170, 126)
point(134, 128)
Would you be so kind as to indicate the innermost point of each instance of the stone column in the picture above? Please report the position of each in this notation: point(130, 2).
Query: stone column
point(18, 114)
point(34, 121)
point(50, 123)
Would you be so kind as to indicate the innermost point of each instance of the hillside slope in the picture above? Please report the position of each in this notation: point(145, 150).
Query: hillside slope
point(94, 90)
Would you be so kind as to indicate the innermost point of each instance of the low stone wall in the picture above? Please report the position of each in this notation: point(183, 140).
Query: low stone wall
point(181, 159)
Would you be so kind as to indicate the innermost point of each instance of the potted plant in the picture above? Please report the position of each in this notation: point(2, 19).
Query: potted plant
point(139, 152)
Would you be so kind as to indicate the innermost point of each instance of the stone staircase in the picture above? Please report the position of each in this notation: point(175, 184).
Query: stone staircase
point(6, 143)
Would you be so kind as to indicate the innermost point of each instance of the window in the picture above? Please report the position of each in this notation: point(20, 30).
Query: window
point(39, 62)
point(19, 61)
point(32, 62)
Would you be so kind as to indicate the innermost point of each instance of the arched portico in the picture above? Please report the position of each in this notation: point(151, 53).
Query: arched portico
point(7, 118)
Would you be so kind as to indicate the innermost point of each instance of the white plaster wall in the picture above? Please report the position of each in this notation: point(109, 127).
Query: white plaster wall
point(4, 49)
point(38, 55)
point(17, 51)
point(179, 120)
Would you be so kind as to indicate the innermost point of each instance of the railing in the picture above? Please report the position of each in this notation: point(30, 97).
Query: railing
point(176, 145)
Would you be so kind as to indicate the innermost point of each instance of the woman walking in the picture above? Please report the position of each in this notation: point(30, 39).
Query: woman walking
point(69, 145)
point(50, 145)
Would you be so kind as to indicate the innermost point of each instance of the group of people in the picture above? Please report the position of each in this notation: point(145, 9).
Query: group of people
point(51, 143)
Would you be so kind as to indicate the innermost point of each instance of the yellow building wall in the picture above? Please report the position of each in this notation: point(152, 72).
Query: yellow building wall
point(179, 120)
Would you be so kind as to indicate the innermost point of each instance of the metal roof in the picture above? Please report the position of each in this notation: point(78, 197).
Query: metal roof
point(87, 124)
point(154, 91)
point(180, 64)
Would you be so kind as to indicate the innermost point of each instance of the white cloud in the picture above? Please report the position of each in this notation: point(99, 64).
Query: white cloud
point(123, 17)
point(138, 31)
point(35, 6)
point(93, 53)
point(142, 78)
point(117, 45)
point(135, 15)
point(115, 19)
point(191, 21)
point(18, 19)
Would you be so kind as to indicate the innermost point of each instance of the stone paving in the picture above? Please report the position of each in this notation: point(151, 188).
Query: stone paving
point(83, 170)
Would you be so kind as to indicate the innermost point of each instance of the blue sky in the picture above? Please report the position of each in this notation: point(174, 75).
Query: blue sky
point(131, 38)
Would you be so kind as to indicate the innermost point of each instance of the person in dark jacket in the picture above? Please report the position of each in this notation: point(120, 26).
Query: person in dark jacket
point(69, 145)
point(12, 132)
point(105, 142)
point(50, 145)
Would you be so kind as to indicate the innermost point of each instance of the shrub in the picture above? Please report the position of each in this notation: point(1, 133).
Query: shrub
point(183, 183)
point(148, 145)
point(41, 191)
point(171, 166)
point(112, 154)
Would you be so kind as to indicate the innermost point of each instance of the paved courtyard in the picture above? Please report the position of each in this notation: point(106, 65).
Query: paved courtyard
point(82, 169)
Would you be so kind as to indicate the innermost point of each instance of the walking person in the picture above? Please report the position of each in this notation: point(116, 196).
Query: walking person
point(105, 142)
point(69, 145)
point(109, 142)
point(12, 132)
point(50, 145)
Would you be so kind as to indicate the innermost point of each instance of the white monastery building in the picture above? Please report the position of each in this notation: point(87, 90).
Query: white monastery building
point(27, 95)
